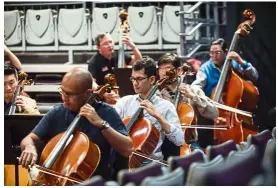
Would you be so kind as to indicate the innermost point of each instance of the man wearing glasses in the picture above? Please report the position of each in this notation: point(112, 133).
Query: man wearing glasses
point(161, 113)
point(209, 73)
point(100, 122)
point(105, 59)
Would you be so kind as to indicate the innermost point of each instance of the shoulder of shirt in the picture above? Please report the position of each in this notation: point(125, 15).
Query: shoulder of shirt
point(160, 100)
point(128, 97)
point(57, 108)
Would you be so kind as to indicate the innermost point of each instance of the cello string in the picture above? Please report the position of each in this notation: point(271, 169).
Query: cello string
point(147, 157)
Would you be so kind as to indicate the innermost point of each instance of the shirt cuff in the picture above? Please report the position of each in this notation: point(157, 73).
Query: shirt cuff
point(245, 66)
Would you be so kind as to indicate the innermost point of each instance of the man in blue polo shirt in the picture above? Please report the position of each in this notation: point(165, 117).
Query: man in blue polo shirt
point(100, 122)
point(209, 73)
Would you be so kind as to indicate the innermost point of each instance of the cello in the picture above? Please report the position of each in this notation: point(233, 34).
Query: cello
point(144, 135)
point(236, 92)
point(111, 80)
point(22, 81)
point(185, 112)
point(69, 157)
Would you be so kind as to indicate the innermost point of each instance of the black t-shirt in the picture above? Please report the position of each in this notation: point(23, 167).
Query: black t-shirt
point(99, 66)
point(7, 107)
point(59, 118)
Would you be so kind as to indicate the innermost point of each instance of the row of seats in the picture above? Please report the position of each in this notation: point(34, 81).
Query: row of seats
point(74, 26)
point(231, 165)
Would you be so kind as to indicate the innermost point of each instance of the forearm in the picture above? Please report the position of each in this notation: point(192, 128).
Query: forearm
point(26, 141)
point(121, 143)
point(15, 61)
point(164, 123)
point(137, 54)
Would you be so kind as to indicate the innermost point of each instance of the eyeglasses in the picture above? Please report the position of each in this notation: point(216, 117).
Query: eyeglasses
point(105, 44)
point(69, 95)
point(215, 52)
point(138, 79)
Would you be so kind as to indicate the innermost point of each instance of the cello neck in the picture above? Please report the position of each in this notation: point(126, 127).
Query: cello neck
point(63, 141)
point(140, 110)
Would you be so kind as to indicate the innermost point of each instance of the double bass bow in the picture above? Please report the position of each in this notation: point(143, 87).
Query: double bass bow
point(69, 157)
point(238, 93)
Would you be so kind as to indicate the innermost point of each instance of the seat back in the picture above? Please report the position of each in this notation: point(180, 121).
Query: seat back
point(94, 181)
point(171, 24)
point(13, 27)
point(174, 178)
point(221, 149)
point(106, 20)
point(237, 156)
point(136, 176)
point(186, 161)
point(72, 26)
point(274, 132)
point(143, 24)
point(197, 170)
point(260, 140)
point(235, 174)
point(39, 27)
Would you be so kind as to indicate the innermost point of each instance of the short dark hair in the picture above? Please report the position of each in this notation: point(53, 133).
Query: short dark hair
point(222, 44)
point(9, 69)
point(99, 37)
point(147, 64)
point(172, 58)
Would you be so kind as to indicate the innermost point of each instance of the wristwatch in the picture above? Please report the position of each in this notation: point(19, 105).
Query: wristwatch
point(105, 125)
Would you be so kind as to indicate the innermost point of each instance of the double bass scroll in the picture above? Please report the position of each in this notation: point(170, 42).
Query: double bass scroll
point(124, 28)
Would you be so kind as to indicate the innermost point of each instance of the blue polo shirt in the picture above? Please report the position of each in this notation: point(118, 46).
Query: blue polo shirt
point(59, 118)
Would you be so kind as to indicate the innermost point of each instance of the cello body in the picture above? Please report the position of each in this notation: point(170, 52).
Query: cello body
point(78, 160)
point(187, 117)
point(145, 137)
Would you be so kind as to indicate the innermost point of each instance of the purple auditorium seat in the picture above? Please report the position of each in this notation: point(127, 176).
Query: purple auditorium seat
point(197, 170)
point(260, 140)
point(274, 132)
point(137, 176)
point(235, 174)
point(174, 178)
point(186, 161)
point(221, 149)
point(238, 156)
point(94, 181)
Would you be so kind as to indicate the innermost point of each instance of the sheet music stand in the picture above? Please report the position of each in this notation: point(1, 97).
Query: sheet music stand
point(16, 127)
point(125, 85)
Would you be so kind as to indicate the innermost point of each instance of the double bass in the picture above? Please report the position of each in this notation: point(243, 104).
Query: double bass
point(69, 157)
point(234, 91)
point(124, 28)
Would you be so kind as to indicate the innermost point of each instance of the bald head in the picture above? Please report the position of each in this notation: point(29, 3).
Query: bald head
point(80, 78)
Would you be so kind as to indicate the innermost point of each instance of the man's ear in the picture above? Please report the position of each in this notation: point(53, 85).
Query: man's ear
point(152, 79)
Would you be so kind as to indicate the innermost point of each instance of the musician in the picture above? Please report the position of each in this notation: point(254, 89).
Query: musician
point(209, 73)
point(13, 59)
point(106, 59)
point(101, 123)
point(161, 113)
point(189, 94)
point(25, 104)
